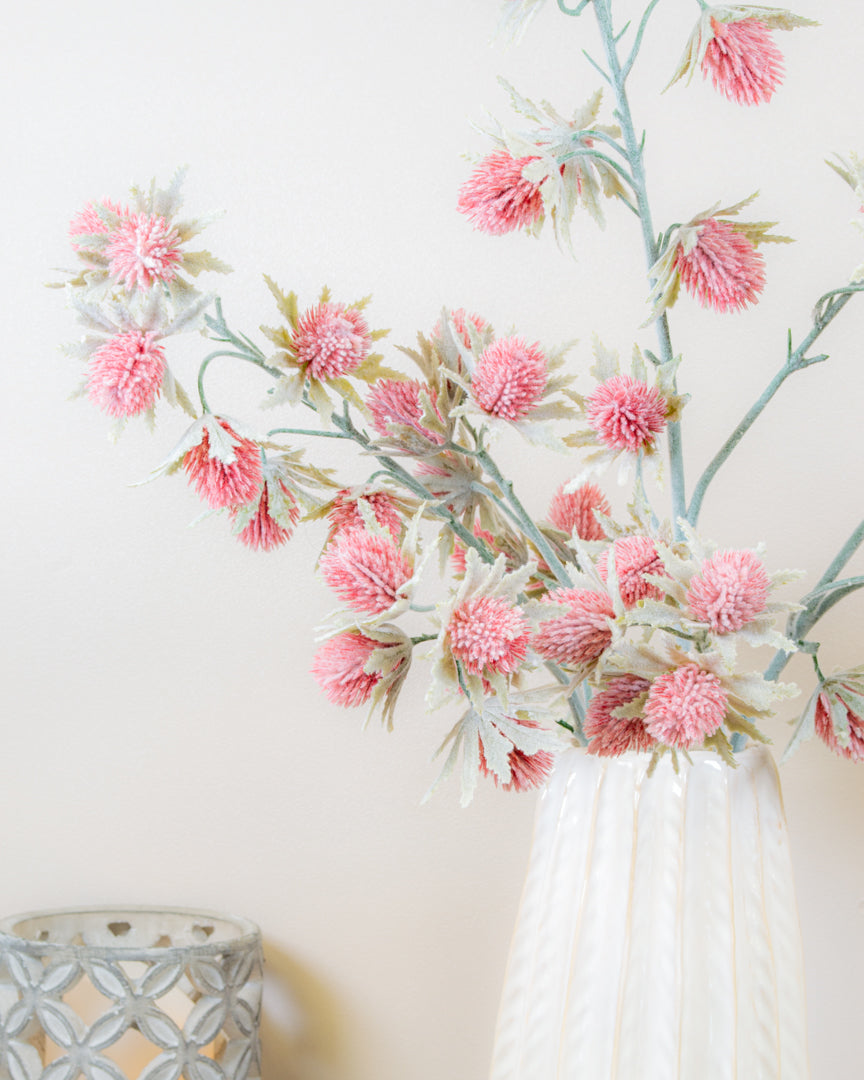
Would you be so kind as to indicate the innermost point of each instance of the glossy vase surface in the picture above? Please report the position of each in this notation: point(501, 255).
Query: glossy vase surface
point(658, 935)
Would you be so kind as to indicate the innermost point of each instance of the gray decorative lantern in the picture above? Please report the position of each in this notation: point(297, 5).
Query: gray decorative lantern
point(129, 994)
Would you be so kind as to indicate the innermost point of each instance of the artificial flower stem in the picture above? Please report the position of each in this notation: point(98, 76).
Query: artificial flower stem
point(796, 361)
point(346, 425)
point(842, 557)
point(308, 431)
point(618, 76)
point(205, 363)
point(637, 43)
point(573, 11)
point(524, 520)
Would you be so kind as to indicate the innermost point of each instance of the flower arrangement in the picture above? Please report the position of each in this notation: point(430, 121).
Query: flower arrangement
point(620, 635)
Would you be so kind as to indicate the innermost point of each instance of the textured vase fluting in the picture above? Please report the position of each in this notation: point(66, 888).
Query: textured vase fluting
point(131, 994)
point(658, 934)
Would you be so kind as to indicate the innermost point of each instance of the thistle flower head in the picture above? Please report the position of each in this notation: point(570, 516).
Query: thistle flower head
point(573, 512)
point(397, 401)
point(497, 198)
point(527, 770)
point(488, 634)
point(267, 526)
point(626, 413)
point(124, 376)
point(224, 480)
point(635, 556)
point(461, 320)
point(730, 590)
point(839, 714)
point(742, 61)
point(609, 734)
point(346, 511)
point(331, 340)
point(722, 269)
point(510, 378)
point(88, 221)
point(684, 706)
point(339, 668)
point(143, 249)
point(581, 633)
point(365, 570)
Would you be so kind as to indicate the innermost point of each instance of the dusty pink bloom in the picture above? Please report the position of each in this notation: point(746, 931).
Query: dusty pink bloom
point(610, 735)
point(461, 319)
point(742, 61)
point(527, 771)
point(509, 378)
point(626, 414)
point(262, 532)
point(364, 570)
point(488, 634)
point(222, 484)
point(574, 511)
point(825, 730)
point(460, 552)
point(684, 706)
point(397, 401)
point(339, 669)
point(730, 590)
point(87, 221)
point(497, 198)
point(124, 376)
point(635, 556)
point(578, 636)
point(332, 340)
point(724, 270)
point(345, 512)
point(143, 248)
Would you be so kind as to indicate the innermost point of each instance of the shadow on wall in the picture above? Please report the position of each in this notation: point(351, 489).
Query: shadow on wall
point(304, 1028)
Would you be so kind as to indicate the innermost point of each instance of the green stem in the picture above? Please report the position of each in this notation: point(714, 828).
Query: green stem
point(618, 76)
point(573, 11)
point(524, 520)
point(308, 431)
point(248, 357)
point(795, 361)
point(805, 620)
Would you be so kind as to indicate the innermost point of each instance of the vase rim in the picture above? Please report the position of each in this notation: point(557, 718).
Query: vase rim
point(232, 933)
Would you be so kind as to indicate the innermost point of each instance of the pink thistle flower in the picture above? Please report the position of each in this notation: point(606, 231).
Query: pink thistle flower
point(125, 374)
point(143, 248)
point(497, 198)
point(510, 378)
point(364, 570)
point(729, 591)
point(742, 61)
point(339, 668)
point(610, 735)
point(262, 532)
point(825, 730)
point(487, 633)
point(87, 221)
point(225, 484)
point(460, 552)
point(574, 511)
point(331, 340)
point(685, 706)
point(345, 512)
point(635, 556)
point(723, 270)
point(579, 636)
point(527, 771)
point(397, 401)
point(626, 414)
point(461, 319)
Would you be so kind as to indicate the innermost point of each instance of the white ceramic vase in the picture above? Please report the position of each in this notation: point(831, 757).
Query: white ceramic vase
point(658, 935)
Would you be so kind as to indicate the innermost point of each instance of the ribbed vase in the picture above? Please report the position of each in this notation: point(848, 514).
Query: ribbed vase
point(658, 935)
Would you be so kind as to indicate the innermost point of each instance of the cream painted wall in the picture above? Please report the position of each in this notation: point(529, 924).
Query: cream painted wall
point(162, 741)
